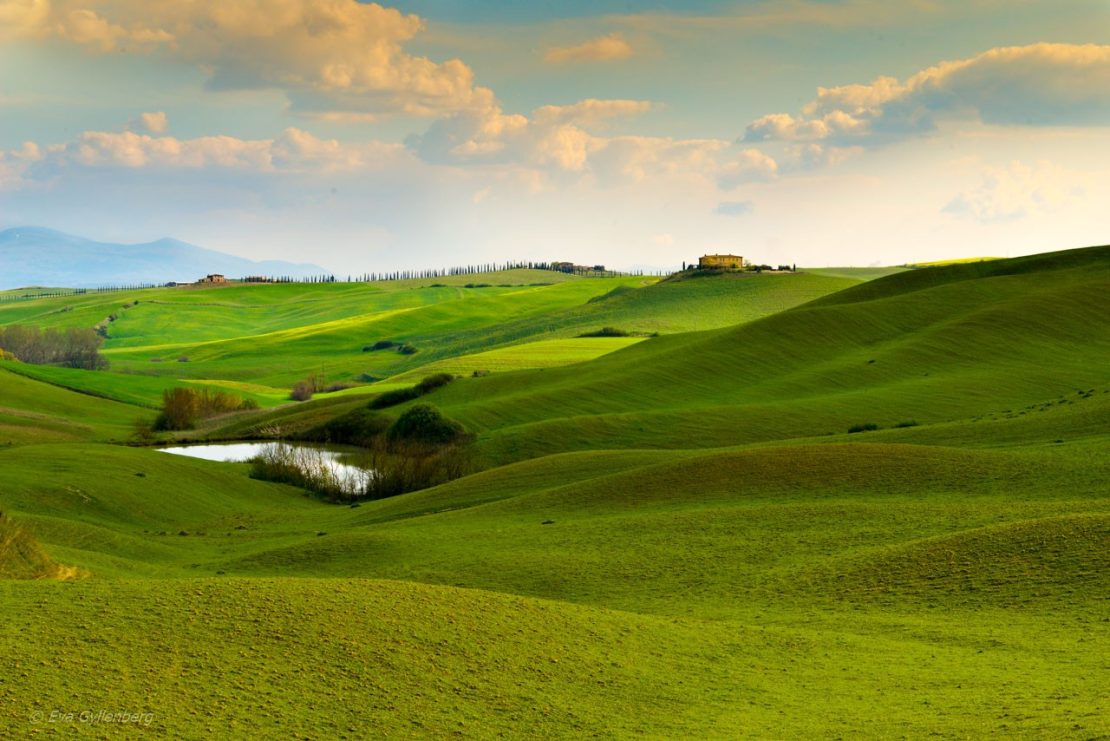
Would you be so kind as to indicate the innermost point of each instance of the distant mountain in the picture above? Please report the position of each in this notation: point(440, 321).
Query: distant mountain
point(32, 256)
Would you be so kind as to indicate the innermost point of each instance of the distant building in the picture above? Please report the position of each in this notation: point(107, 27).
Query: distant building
point(721, 262)
point(213, 278)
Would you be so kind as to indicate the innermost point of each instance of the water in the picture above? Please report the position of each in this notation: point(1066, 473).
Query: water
point(319, 460)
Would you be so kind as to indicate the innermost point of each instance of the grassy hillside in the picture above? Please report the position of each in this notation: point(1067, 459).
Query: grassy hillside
point(671, 536)
point(966, 341)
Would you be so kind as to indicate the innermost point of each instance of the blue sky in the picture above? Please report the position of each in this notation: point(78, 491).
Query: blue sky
point(432, 132)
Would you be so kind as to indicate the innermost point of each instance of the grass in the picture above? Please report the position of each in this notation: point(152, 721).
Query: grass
point(681, 528)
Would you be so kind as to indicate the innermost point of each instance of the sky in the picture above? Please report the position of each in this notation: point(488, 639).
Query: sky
point(428, 133)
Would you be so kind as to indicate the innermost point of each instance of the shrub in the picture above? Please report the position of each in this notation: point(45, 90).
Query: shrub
point(366, 378)
point(142, 430)
point(424, 425)
point(393, 398)
point(182, 407)
point(338, 386)
point(479, 373)
point(606, 332)
point(380, 345)
point(302, 391)
point(183, 359)
point(361, 427)
point(431, 383)
point(868, 427)
point(907, 423)
point(406, 349)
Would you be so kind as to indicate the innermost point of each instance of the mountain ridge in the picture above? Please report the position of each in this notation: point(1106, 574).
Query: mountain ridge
point(33, 255)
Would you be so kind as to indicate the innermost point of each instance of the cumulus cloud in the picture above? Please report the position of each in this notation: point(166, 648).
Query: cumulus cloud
point(602, 49)
point(295, 150)
point(735, 208)
point(747, 166)
point(328, 55)
point(152, 123)
point(1039, 84)
point(1018, 190)
point(554, 136)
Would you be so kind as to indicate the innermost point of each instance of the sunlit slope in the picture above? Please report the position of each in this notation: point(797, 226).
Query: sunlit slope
point(950, 349)
point(234, 657)
point(822, 581)
point(709, 533)
point(32, 412)
point(276, 334)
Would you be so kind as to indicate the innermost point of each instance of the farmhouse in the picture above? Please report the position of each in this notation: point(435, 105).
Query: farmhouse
point(213, 278)
point(721, 262)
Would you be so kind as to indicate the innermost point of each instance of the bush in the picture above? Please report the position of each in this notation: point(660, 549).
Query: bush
point(302, 391)
point(868, 427)
point(606, 332)
point(182, 407)
point(338, 386)
point(431, 383)
point(360, 427)
point(406, 349)
point(907, 423)
point(424, 425)
point(393, 398)
point(183, 359)
point(379, 345)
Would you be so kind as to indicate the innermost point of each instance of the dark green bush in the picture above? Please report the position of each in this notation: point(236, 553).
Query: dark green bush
point(406, 349)
point(423, 424)
point(360, 427)
point(380, 345)
point(907, 423)
point(393, 398)
point(868, 427)
point(606, 332)
point(431, 383)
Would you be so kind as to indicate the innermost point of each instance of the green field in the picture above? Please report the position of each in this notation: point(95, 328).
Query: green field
point(671, 535)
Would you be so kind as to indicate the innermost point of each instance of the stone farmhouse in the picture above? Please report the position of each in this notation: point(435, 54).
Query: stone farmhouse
point(721, 262)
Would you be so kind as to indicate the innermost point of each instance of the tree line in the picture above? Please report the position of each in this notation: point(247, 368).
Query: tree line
point(73, 347)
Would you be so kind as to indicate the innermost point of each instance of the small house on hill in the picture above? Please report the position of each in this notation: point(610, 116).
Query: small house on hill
point(213, 278)
point(721, 262)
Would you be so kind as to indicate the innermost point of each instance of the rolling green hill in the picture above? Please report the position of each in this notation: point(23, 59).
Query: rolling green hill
point(676, 538)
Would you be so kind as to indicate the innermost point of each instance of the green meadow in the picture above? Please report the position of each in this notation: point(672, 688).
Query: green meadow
point(837, 503)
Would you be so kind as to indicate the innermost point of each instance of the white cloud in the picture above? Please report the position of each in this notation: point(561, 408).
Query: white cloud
point(152, 123)
point(295, 150)
point(602, 49)
point(1039, 84)
point(554, 137)
point(567, 140)
point(1016, 191)
point(327, 55)
point(747, 166)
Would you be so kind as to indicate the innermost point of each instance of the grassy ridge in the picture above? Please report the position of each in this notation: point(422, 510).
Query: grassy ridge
point(956, 348)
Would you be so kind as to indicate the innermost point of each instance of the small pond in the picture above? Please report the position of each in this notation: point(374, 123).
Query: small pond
point(321, 459)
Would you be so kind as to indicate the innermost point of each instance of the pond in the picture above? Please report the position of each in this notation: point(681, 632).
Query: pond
point(318, 460)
